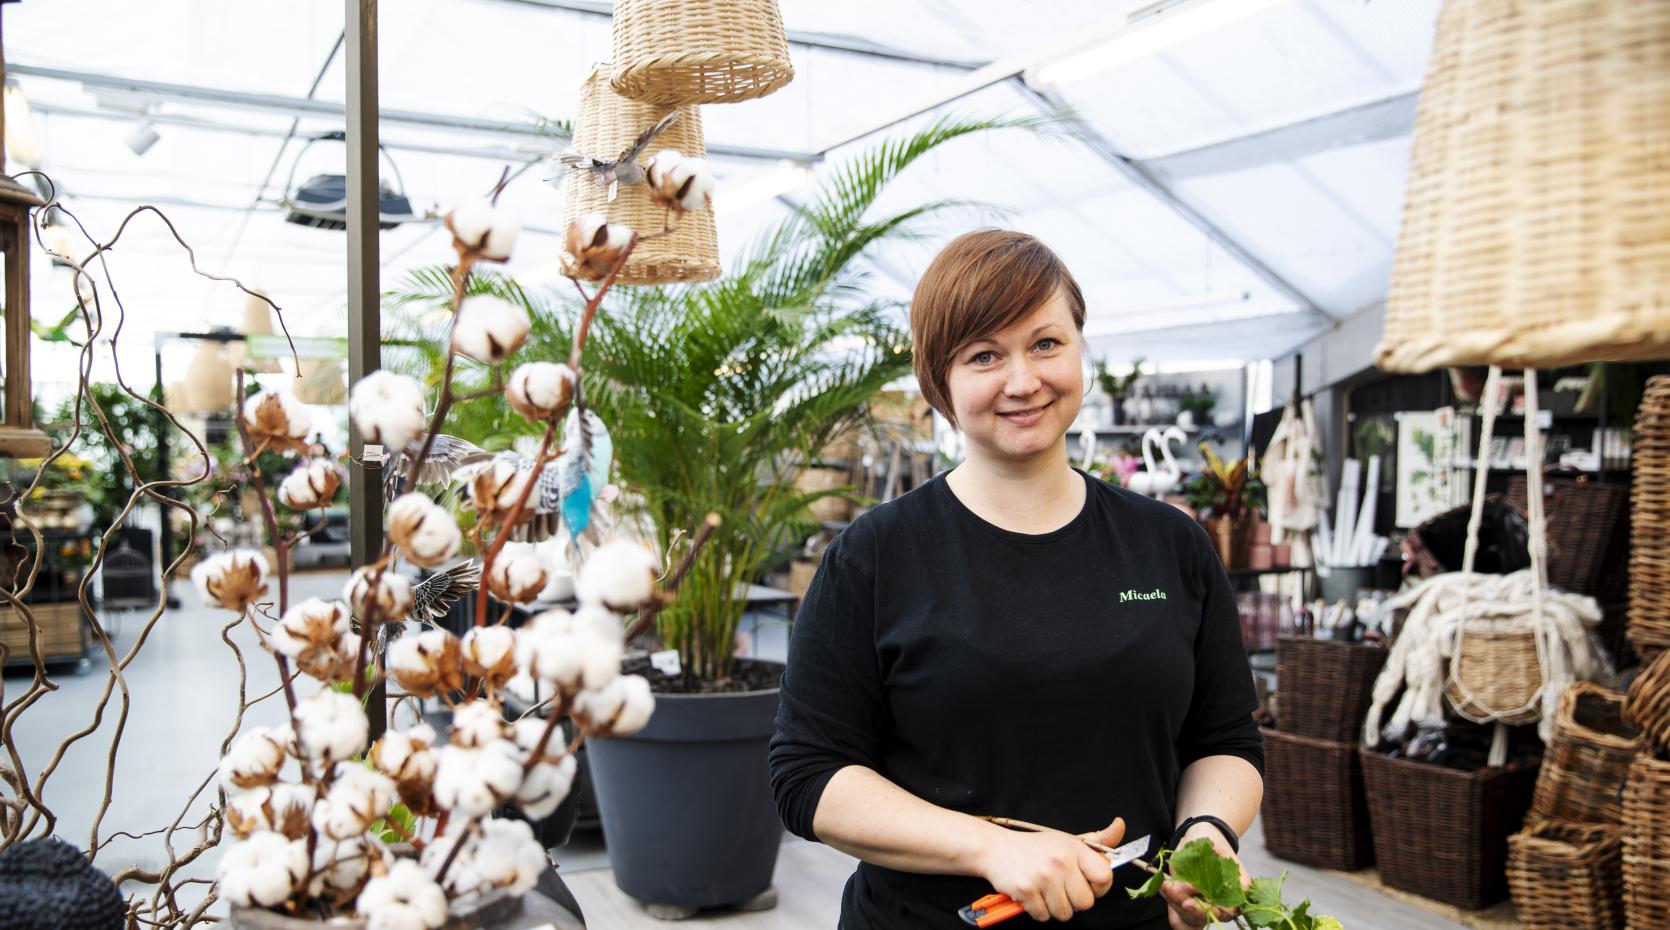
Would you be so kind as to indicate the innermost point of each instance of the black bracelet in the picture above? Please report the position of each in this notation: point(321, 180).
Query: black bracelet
point(1229, 834)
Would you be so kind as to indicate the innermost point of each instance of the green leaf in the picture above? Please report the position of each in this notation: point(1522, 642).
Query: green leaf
point(1264, 907)
point(1301, 918)
point(1327, 923)
point(1150, 888)
point(1217, 878)
point(401, 815)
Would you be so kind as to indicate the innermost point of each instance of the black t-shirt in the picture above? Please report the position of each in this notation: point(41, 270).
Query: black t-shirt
point(1064, 679)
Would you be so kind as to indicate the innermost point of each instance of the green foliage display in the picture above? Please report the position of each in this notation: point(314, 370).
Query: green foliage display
point(1218, 879)
point(103, 481)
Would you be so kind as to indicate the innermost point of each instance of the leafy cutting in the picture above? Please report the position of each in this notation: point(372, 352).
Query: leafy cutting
point(1218, 879)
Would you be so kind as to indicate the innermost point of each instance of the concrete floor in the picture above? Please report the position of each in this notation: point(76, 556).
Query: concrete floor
point(184, 689)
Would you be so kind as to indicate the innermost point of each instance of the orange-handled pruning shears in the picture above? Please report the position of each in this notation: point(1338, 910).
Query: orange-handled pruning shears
point(996, 908)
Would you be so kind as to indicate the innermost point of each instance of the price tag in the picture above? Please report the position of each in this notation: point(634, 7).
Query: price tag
point(666, 662)
point(374, 454)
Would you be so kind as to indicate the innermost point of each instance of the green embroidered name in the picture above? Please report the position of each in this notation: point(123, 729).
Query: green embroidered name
point(1154, 595)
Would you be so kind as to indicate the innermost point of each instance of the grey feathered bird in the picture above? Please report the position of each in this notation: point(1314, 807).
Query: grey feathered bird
point(624, 168)
point(446, 455)
point(432, 598)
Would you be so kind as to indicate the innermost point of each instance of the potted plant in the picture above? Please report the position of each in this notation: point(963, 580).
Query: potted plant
point(718, 394)
point(1117, 387)
point(1195, 409)
point(1228, 498)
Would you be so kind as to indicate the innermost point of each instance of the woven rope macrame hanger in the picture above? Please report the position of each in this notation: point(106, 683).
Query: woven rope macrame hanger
point(1467, 700)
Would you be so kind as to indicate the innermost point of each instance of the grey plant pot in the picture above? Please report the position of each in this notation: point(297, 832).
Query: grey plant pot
point(686, 803)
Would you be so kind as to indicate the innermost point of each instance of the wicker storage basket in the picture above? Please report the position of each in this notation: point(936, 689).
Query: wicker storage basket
point(1588, 535)
point(1324, 687)
point(607, 124)
point(1587, 759)
point(1533, 227)
point(1646, 838)
point(699, 51)
point(1443, 833)
point(1500, 670)
point(1567, 876)
point(1647, 705)
point(1314, 811)
point(1649, 553)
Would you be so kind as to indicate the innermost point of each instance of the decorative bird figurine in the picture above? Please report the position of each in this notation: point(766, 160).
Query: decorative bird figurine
point(567, 488)
point(446, 455)
point(624, 168)
point(432, 598)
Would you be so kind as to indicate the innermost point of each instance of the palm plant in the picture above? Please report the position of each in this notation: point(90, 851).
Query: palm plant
point(717, 394)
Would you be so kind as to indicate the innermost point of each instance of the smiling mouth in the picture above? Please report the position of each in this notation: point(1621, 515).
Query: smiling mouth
point(1027, 416)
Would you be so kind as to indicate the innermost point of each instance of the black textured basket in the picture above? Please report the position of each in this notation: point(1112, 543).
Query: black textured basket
point(1314, 811)
point(1324, 687)
point(1443, 833)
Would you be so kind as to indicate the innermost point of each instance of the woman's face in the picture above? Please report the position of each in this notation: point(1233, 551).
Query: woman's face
point(1016, 391)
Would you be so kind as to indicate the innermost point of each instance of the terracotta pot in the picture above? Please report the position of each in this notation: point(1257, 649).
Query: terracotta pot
point(1230, 538)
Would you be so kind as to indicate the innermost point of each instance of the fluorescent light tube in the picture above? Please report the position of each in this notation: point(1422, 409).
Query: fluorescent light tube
point(1150, 37)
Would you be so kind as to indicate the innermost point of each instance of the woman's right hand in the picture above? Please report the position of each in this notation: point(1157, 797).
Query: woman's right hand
point(1051, 874)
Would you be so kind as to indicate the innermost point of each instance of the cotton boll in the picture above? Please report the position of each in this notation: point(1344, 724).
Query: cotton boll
point(558, 659)
point(387, 409)
point(545, 786)
point(345, 864)
point(485, 229)
point(680, 183)
point(313, 624)
point(311, 485)
point(507, 855)
point(620, 709)
point(231, 580)
point(427, 664)
point(471, 782)
point(518, 574)
point(253, 760)
point(404, 899)
point(540, 390)
point(602, 662)
point(356, 798)
point(423, 530)
point(370, 589)
point(277, 419)
point(262, 871)
point(281, 808)
point(522, 686)
point(555, 620)
point(490, 653)
point(619, 575)
point(597, 620)
point(406, 754)
point(496, 488)
point(332, 727)
point(489, 329)
point(477, 723)
point(594, 246)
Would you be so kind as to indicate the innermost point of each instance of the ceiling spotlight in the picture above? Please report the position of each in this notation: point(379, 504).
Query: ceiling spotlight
point(142, 138)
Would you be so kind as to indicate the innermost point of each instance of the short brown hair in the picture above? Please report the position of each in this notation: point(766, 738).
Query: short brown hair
point(980, 283)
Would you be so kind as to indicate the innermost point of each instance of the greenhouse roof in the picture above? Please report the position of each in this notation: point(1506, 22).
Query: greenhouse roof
point(1226, 193)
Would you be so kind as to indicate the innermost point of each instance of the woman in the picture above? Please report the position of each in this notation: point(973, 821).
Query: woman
point(1014, 638)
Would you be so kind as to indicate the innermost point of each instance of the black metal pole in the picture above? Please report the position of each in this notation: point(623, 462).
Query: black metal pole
point(365, 500)
point(165, 535)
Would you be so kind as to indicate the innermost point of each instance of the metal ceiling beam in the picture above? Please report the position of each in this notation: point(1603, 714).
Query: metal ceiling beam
point(1143, 177)
point(489, 153)
point(1387, 118)
point(835, 43)
point(279, 103)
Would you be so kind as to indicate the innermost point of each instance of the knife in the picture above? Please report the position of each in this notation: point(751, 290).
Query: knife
point(996, 908)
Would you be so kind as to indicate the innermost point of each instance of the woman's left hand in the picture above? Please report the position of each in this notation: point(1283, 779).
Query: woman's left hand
point(1182, 899)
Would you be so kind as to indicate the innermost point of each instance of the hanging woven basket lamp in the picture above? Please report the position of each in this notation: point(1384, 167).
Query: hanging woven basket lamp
point(1536, 225)
point(699, 51)
point(607, 126)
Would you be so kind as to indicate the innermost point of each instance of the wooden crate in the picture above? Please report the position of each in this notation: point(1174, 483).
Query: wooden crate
point(63, 635)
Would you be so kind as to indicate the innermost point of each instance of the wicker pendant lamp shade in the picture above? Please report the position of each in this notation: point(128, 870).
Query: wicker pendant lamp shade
point(699, 51)
point(258, 320)
point(1649, 545)
point(1536, 226)
point(208, 381)
point(606, 125)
